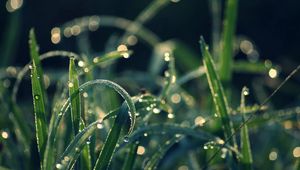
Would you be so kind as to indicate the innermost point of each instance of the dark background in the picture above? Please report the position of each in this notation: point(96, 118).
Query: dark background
point(272, 24)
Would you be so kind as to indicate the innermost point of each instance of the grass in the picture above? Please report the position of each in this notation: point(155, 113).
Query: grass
point(168, 116)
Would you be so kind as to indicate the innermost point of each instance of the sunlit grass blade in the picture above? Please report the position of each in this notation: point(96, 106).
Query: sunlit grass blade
point(111, 141)
point(75, 97)
point(226, 58)
point(217, 92)
point(246, 160)
point(131, 156)
point(38, 96)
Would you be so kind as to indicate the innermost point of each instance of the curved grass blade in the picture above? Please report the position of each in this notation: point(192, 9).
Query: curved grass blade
point(226, 59)
point(38, 97)
point(217, 92)
point(110, 144)
point(56, 118)
point(131, 156)
point(246, 160)
point(75, 97)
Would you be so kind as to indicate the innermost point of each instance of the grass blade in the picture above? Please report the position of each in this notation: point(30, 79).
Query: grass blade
point(226, 59)
point(38, 96)
point(245, 142)
point(110, 144)
point(75, 97)
point(85, 159)
point(217, 92)
point(131, 156)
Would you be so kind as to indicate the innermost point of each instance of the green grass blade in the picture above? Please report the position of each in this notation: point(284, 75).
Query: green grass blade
point(131, 156)
point(246, 159)
point(85, 159)
point(73, 151)
point(217, 92)
point(110, 144)
point(75, 97)
point(38, 96)
point(226, 59)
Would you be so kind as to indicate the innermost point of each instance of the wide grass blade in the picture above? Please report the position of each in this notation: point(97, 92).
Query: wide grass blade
point(226, 59)
point(217, 92)
point(246, 159)
point(110, 144)
point(75, 97)
point(38, 96)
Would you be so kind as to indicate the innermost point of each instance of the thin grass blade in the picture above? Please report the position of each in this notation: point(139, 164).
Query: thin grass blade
point(131, 156)
point(246, 160)
point(226, 59)
point(38, 96)
point(217, 92)
point(75, 97)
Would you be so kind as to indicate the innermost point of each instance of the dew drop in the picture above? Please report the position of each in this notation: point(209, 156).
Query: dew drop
point(156, 111)
point(77, 149)
point(99, 125)
point(245, 91)
point(145, 134)
point(205, 147)
point(126, 139)
point(30, 67)
point(58, 166)
point(36, 97)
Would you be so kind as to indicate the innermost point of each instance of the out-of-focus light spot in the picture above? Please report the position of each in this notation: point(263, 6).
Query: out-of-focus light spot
point(199, 121)
point(75, 30)
point(81, 63)
point(125, 55)
point(246, 47)
point(4, 135)
point(85, 95)
point(11, 70)
point(273, 73)
point(268, 63)
point(67, 32)
point(175, 1)
point(132, 40)
point(94, 23)
point(296, 152)
point(96, 60)
point(70, 84)
point(141, 150)
point(156, 111)
point(167, 56)
point(55, 35)
point(176, 98)
point(273, 156)
point(6, 83)
point(288, 124)
point(122, 48)
point(47, 81)
point(86, 70)
point(13, 5)
point(183, 167)
point(171, 115)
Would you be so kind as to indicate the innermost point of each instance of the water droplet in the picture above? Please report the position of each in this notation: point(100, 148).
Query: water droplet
point(216, 115)
point(126, 139)
point(156, 111)
point(99, 125)
point(30, 67)
point(59, 166)
point(148, 108)
point(206, 47)
point(77, 149)
point(171, 116)
point(36, 97)
point(70, 84)
point(145, 134)
point(205, 147)
point(167, 74)
point(245, 91)
point(177, 135)
point(66, 158)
